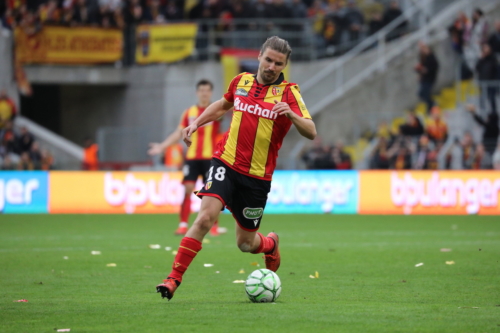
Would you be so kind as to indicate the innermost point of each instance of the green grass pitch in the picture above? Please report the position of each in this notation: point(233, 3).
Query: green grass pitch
point(367, 281)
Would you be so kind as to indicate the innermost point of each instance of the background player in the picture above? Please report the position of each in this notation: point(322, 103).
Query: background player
point(265, 107)
point(198, 155)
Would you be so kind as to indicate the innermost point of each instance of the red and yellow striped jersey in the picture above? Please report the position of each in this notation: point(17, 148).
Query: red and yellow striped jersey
point(256, 133)
point(204, 139)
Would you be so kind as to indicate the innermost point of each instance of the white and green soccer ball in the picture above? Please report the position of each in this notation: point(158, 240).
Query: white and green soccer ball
point(263, 286)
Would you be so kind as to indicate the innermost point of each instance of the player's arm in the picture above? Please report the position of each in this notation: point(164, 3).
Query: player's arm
point(297, 112)
point(158, 148)
point(213, 112)
point(306, 127)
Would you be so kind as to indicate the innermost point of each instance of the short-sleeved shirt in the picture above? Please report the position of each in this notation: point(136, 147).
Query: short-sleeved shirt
point(256, 132)
point(204, 139)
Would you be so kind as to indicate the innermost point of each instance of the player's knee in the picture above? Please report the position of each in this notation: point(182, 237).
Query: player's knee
point(245, 246)
point(204, 222)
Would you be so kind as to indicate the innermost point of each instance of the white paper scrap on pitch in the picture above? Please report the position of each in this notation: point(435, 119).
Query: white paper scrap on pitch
point(239, 281)
point(420, 264)
point(208, 265)
point(154, 246)
point(95, 253)
point(64, 330)
point(168, 248)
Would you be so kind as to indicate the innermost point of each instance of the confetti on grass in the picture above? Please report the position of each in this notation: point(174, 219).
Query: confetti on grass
point(420, 264)
point(111, 264)
point(208, 265)
point(174, 253)
point(154, 246)
point(450, 262)
point(255, 263)
point(65, 257)
point(445, 250)
point(21, 301)
point(63, 330)
point(315, 276)
point(242, 271)
point(168, 248)
point(206, 241)
point(239, 281)
point(95, 253)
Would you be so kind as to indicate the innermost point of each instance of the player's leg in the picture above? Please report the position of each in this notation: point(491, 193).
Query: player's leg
point(216, 230)
point(253, 241)
point(191, 245)
point(190, 176)
point(185, 208)
point(248, 208)
point(217, 193)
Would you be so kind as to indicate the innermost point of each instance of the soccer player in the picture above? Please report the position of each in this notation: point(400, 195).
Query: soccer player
point(198, 154)
point(239, 178)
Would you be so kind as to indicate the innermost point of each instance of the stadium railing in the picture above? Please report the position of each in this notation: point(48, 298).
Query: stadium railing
point(344, 73)
point(216, 34)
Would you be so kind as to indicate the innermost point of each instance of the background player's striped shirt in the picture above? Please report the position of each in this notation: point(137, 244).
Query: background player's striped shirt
point(256, 133)
point(204, 139)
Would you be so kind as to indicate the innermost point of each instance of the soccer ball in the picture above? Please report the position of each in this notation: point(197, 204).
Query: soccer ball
point(263, 286)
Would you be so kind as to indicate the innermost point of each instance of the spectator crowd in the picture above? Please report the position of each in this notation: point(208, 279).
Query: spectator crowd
point(18, 149)
point(333, 21)
point(327, 157)
point(417, 143)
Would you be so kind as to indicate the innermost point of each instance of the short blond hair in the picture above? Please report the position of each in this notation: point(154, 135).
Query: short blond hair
point(277, 44)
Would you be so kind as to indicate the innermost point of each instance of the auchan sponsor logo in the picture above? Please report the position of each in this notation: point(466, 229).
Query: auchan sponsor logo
point(256, 109)
point(472, 193)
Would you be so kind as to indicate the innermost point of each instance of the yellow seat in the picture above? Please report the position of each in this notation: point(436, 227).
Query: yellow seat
point(396, 122)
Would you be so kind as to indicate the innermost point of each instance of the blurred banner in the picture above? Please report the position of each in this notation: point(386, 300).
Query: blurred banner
point(117, 192)
point(77, 45)
point(23, 192)
point(427, 192)
point(165, 43)
point(308, 192)
point(314, 192)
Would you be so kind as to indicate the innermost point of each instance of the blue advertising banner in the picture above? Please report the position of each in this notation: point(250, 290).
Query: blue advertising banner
point(314, 192)
point(23, 192)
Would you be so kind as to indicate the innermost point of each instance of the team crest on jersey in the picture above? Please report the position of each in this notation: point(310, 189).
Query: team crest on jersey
point(208, 186)
point(241, 92)
point(276, 91)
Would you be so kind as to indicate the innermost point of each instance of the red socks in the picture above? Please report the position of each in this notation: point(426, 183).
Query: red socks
point(266, 244)
point(186, 208)
point(188, 249)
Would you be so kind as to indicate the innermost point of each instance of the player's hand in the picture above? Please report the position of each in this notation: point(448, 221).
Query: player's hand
point(282, 108)
point(186, 134)
point(154, 149)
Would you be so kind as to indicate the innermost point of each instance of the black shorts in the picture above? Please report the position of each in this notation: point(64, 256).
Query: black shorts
point(243, 195)
point(194, 168)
